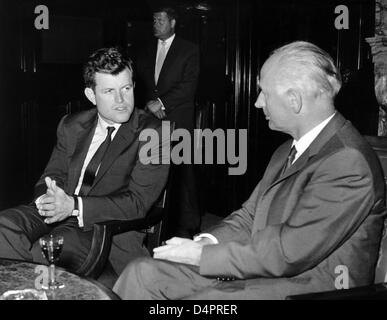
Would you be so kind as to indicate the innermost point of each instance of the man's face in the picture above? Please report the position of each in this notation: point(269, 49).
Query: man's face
point(163, 27)
point(273, 103)
point(113, 96)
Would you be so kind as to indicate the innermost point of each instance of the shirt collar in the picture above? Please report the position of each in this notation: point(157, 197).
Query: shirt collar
point(168, 41)
point(102, 124)
point(306, 140)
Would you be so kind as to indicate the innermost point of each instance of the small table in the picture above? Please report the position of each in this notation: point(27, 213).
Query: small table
point(20, 275)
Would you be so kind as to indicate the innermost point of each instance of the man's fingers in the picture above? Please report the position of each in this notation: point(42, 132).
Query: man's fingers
point(51, 193)
point(47, 207)
point(55, 218)
point(48, 181)
point(162, 255)
point(176, 240)
point(162, 248)
point(159, 114)
point(51, 220)
point(47, 199)
point(47, 213)
point(53, 186)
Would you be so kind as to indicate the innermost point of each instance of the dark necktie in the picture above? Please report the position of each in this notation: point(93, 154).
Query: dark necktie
point(290, 159)
point(94, 164)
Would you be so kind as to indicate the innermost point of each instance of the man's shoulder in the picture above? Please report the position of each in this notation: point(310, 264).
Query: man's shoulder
point(185, 44)
point(349, 138)
point(147, 121)
point(80, 117)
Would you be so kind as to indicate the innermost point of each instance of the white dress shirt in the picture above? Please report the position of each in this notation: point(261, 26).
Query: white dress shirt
point(168, 43)
point(98, 138)
point(301, 145)
point(305, 141)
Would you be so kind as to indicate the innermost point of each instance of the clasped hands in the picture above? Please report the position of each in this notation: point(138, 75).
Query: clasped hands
point(55, 204)
point(155, 107)
point(181, 250)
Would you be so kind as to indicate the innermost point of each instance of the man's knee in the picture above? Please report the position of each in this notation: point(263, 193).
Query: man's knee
point(140, 272)
point(8, 222)
point(18, 216)
point(134, 280)
point(140, 267)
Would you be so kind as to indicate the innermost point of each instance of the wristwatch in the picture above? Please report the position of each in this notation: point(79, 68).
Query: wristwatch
point(75, 212)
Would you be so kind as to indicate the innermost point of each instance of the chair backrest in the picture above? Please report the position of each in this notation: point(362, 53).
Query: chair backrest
point(379, 144)
point(156, 216)
point(154, 232)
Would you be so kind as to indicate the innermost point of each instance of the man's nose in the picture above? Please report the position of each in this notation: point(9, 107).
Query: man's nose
point(260, 102)
point(118, 97)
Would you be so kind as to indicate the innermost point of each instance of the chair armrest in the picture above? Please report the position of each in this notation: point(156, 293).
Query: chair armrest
point(375, 291)
point(113, 227)
point(103, 233)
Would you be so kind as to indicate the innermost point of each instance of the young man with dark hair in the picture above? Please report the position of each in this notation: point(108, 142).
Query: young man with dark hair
point(95, 173)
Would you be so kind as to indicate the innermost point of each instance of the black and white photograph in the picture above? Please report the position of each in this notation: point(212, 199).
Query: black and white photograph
point(216, 151)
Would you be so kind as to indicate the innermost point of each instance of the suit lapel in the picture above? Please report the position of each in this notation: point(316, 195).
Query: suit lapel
point(315, 147)
point(84, 136)
point(171, 56)
point(152, 56)
point(123, 138)
point(272, 178)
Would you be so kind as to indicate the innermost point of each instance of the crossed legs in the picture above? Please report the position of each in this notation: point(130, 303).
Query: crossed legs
point(22, 226)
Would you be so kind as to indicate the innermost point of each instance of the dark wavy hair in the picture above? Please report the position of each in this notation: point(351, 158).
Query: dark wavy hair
point(105, 60)
point(170, 11)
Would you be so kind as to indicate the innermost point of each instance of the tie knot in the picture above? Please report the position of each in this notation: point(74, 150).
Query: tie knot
point(163, 43)
point(110, 130)
point(292, 154)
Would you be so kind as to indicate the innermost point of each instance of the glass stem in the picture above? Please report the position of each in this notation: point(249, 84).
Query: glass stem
point(52, 273)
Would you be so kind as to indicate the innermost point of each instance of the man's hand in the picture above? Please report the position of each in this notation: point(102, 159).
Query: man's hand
point(180, 250)
point(155, 107)
point(55, 204)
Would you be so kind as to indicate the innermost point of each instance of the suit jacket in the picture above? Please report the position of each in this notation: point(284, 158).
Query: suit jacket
point(297, 231)
point(177, 80)
point(124, 187)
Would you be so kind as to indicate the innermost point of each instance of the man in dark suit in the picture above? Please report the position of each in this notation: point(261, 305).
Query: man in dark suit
point(317, 211)
point(95, 173)
point(168, 69)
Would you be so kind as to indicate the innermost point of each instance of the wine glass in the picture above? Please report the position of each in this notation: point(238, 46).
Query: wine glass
point(51, 248)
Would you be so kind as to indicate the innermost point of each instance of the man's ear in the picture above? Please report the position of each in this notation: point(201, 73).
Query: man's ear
point(89, 93)
point(295, 100)
point(173, 24)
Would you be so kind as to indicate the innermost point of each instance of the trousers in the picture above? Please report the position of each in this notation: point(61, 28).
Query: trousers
point(22, 226)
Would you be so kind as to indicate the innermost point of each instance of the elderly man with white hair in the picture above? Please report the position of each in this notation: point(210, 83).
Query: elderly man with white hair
point(318, 208)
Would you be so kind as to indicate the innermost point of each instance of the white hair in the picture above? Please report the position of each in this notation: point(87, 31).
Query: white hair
point(309, 68)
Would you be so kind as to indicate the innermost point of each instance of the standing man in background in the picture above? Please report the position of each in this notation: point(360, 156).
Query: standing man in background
point(169, 70)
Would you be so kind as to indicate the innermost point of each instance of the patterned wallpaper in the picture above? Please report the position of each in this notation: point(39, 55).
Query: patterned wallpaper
point(378, 45)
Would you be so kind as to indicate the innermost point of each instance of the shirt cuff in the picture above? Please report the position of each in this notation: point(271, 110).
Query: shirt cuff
point(162, 104)
point(206, 235)
point(80, 216)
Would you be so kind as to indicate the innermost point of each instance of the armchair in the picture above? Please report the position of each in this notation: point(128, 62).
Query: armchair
point(103, 233)
point(379, 289)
